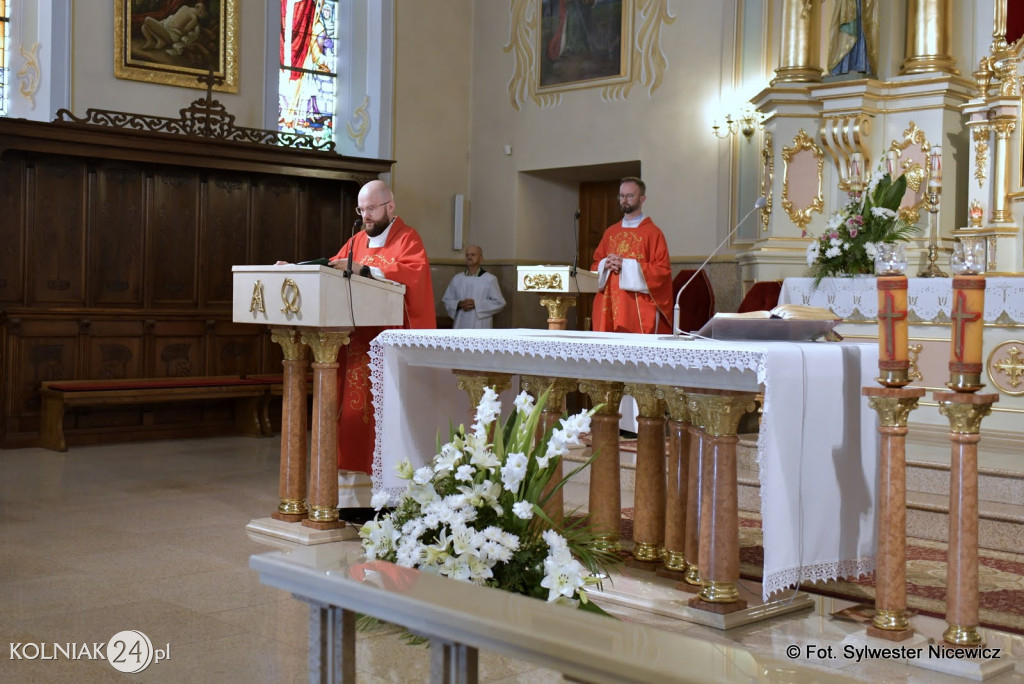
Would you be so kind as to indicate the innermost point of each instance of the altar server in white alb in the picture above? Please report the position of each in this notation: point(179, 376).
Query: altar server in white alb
point(473, 296)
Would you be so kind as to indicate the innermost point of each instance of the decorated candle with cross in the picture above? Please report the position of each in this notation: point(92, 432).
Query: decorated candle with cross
point(893, 364)
point(967, 319)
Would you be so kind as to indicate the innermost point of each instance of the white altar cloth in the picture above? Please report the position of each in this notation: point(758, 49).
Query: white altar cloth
point(929, 299)
point(817, 447)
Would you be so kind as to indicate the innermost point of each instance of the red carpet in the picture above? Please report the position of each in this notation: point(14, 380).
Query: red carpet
point(1000, 580)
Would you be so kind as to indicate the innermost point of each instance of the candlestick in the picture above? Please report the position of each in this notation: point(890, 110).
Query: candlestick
point(893, 358)
point(968, 319)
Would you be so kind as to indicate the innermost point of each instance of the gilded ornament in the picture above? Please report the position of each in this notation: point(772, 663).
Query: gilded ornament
point(721, 413)
point(677, 402)
point(714, 591)
point(842, 136)
point(647, 399)
point(607, 393)
point(291, 346)
point(964, 418)
point(361, 116)
point(893, 411)
point(291, 297)
point(802, 144)
point(28, 74)
point(980, 135)
point(256, 303)
point(916, 174)
point(767, 178)
point(558, 307)
point(543, 281)
point(474, 384)
point(325, 344)
point(557, 388)
point(913, 356)
point(1006, 372)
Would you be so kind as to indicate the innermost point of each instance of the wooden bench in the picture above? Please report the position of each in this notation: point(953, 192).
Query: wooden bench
point(250, 397)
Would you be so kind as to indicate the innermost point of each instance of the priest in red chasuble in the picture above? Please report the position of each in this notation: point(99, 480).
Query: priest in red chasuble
point(385, 248)
point(635, 281)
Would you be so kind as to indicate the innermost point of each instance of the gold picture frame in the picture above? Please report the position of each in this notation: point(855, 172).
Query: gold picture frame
point(178, 44)
point(583, 44)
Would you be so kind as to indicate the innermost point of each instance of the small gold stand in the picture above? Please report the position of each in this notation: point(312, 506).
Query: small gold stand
point(932, 270)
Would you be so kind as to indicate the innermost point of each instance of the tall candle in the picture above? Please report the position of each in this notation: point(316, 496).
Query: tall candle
point(856, 170)
point(935, 168)
point(968, 319)
point(892, 163)
point(893, 364)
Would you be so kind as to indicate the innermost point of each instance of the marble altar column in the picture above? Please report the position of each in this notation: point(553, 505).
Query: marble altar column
point(893, 406)
point(605, 501)
point(965, 411)
point(677, 484)
point(558, 310)
point(323, 484)
point(474, 383)
point(649, 487)
point(694, 487)
point(719, 504)
point(292, 478)
point(553, 411)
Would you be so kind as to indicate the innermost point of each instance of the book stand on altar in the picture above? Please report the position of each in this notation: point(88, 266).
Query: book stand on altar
point(310, 308)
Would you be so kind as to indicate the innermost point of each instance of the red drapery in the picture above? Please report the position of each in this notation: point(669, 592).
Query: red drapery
point(303, 13)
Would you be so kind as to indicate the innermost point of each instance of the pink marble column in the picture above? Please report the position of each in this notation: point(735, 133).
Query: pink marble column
point(323, 484)
point(694, 486)
point(605, 503)
point(677, 482)
point(292, 478)
point(719, 503)
point(553, 411)
point(649, 490)
point(893, 406)
point(965, 411)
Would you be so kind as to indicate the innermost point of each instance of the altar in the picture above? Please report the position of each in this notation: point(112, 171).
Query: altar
point(817, 447)
point(929, 301)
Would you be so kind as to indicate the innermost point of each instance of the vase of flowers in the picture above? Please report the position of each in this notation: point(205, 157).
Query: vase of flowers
point(476, 513)
point(853, 234)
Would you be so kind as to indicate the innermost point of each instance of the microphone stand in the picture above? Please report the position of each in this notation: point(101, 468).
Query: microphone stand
point(576, 243)
point(351, 247)
point(676, 332)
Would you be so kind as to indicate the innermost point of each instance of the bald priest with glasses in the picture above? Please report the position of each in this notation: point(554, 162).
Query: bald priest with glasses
point(635, 274)
point(388, 248)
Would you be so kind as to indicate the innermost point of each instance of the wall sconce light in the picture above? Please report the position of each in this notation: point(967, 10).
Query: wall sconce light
point(745, 121)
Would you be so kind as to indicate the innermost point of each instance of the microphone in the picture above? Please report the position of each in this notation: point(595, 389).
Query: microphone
point(576, 242)
point(761, 203)
point(351, 246)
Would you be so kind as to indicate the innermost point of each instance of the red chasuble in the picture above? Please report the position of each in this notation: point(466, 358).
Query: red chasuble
point(617, 310)
point(404, 260)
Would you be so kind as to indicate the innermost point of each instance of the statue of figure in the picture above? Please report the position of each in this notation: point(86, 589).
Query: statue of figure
point(854, 38)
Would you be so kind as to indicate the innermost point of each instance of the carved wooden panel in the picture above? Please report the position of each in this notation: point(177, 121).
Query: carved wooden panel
point(116, 201)
point(237, 349)
point(56, 231)
point(225, 236)
point(114, 349)
point(329, 219)
point(172, 239)
point(11, 217)
point(177, 350)
point(41, 350)
point(276, 213)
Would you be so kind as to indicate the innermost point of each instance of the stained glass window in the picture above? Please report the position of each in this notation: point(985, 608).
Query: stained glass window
point(5, 56)
point(308, 75)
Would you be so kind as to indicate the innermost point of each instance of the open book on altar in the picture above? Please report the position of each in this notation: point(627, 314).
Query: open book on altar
point(787, 322)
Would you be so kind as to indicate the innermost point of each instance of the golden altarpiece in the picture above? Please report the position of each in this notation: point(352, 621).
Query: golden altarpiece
point(922, 98)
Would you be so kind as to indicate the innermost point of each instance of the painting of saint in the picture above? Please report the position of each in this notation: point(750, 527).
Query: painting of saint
point(581, 42)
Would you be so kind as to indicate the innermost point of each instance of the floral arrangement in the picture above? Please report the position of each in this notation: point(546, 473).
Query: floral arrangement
point(869, 218)
point(477, 512)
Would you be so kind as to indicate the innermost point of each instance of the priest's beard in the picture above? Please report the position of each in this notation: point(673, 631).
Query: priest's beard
point(374, 227)
point(628, 208)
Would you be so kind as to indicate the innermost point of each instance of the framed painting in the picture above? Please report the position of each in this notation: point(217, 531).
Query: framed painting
point(174, 42)
point(584, 43)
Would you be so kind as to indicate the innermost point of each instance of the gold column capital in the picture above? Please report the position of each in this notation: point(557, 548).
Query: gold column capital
point(474, 383)
point(964, 418)
point(720, 414)
point(893, 404)
point(677, 401)
point(1004, 126)
point(647, 399)
point(325, 343)
point(607, 393)
point(291, 344)
point(558, 306)
point(557, 388)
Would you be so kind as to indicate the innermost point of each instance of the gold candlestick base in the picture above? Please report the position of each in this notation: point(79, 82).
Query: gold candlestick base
point(932, 270)
point(893, 377)
point(965, 382)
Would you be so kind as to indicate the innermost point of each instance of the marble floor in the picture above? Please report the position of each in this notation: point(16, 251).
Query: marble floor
point(151, 537)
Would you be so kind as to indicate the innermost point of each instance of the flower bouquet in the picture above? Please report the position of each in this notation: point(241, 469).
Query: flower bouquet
point(477, 512)
point(869, 218)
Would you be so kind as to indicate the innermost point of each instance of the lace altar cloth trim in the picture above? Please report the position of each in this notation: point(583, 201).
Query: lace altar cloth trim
point(929, 299)
point(822, 572)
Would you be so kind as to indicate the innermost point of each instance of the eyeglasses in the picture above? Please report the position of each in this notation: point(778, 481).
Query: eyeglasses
point(363, 211)
point(630, 196)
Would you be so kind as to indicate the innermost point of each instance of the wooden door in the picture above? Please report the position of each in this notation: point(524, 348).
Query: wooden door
point(599, 208)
